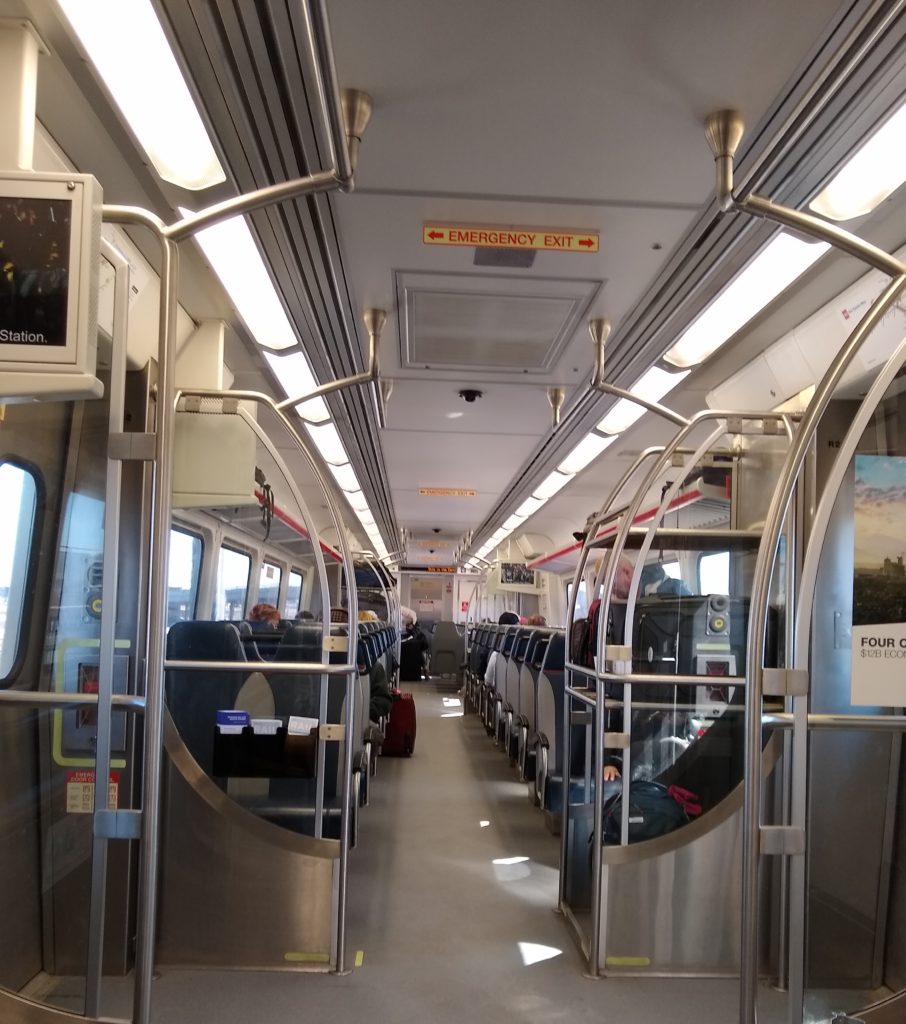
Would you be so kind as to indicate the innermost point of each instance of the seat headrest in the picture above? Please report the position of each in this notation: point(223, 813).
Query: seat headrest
point(204, 641)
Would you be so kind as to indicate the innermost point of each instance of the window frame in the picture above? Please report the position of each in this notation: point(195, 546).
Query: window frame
point(196, 535)
point(248, 580)
point(298, 572)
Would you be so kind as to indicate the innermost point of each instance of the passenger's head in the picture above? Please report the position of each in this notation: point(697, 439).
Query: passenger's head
point(304, 615)
point(623, 580)
point(537, 620)
point(339, 614)
point(264, 613)
point(508, 619)
point(652, 577)
point(407, 616)
point(368, 616)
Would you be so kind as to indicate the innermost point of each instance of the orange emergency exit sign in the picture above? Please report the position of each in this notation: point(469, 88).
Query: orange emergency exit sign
point(544, 239)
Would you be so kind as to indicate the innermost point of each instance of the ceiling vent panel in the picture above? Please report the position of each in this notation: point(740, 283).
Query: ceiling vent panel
point(477, 323)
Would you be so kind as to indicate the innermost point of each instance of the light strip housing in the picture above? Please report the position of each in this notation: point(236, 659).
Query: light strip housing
point(874, 172)
point(126, 43)
point(779, 263)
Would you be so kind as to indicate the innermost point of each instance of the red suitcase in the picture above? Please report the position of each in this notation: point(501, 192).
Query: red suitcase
point(399, 739)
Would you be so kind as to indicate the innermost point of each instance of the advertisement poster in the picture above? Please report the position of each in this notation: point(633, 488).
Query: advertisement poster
point(879, 582)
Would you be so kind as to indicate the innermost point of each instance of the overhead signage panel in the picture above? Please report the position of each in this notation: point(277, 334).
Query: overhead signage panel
point(446, 492)
point(487, 237)
point(428, 568)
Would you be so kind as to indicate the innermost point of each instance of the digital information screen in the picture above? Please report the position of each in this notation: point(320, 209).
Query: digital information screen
point(515, 572)
point(35, 236)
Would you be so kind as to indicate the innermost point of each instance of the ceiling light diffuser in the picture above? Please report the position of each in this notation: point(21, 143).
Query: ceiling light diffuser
point(328, 442)
point(514, 521)
point(357, 501)
point(345, 477)
point(529, 506)
point(314, 410)
point(781, 261)
point(127, 45)
point(551, 484)
point(872, 173)
point(231, 250)
point(586, 451)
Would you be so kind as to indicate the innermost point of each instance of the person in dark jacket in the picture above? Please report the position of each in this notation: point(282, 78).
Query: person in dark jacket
point(413, 647)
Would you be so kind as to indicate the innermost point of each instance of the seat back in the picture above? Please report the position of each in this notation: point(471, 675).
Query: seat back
point(447, 649)
point(551, 696)
point(195, 697)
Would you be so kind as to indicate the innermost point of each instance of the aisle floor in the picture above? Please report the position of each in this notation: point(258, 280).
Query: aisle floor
point(449, 921)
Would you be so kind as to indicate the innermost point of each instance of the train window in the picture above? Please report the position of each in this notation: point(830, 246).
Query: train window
point(232, 586)
point(581, 599)
point(293, 594)
point(186, 550)
point(714, 573)
point(269, 583)
point(18, 513)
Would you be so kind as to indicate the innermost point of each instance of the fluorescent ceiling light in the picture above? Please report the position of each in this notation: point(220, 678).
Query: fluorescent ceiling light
point(293, 373)
point(231, 251)
point(652, 386)
point(357, 501)
point(328, 442)
point(775, 268)
point(587, 450)
point(655, 383)
point(314, 410)
point(551, 484)
point(872, 173)
point(127, 45)
point(529, 506)
point(621, 417)
point(514, 521)
point(345, 477)
point(367, 520)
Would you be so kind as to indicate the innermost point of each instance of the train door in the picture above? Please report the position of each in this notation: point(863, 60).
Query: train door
point(66, 890)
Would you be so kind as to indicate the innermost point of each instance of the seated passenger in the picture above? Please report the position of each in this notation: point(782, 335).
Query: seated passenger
point(537, 620)
point(413, 647)
point(380, 700)
point(655, 581)
point(265, 613)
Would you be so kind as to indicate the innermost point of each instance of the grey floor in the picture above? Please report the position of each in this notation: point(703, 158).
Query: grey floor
point(451, 915)
point(444, 933)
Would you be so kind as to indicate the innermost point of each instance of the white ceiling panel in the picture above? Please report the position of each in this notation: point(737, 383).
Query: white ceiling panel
point(546, 99)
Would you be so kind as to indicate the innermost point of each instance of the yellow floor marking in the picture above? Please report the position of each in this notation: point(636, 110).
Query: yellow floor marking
point(359, 957)
point(627, 961)
point(307, 958)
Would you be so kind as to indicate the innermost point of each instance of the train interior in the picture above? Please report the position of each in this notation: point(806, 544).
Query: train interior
point(531, 372)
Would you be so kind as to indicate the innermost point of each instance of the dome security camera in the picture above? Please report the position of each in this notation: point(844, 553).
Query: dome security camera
point(470, 394)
